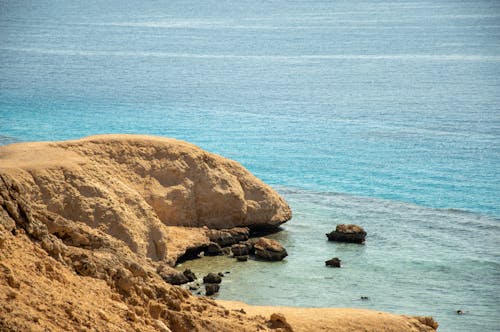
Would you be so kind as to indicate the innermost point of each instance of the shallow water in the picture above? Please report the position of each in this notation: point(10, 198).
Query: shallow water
point(416, 260)
point(383, 113)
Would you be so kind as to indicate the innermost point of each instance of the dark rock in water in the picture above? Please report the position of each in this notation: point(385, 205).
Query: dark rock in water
point(250, 245)
point(211, 289)
point(365, 298)
point(194, 287)
point(220, 274)
point(239, 249)
point(226, 251)
point(213, 249)
point(212, 278)
point(189, 275)
point(347, 233)
point(269, 250)
point(334, 262)
point(242, 258)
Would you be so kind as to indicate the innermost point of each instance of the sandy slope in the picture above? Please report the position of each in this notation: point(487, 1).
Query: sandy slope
point(338, 319)
point(87, 227)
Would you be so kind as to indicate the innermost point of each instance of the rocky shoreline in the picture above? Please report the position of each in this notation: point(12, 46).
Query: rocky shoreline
point(91, 229)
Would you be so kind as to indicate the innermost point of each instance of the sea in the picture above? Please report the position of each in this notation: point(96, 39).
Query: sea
point(382, 113)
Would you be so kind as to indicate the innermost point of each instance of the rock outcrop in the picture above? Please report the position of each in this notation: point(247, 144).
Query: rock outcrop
point(347, 233)
point(90, 229)
point(270, 250)
point(139, 190)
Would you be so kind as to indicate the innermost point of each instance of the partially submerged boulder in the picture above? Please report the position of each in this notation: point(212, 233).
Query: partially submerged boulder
point(211, 289)
point(334, 262)
point(189, 275)
point(212, 278)
point(270, 250)
point(239, 250)
point(347, 233)
point(213, 249)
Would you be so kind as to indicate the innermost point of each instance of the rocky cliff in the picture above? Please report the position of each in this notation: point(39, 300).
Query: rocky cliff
point(88, 228)
point(135, 188)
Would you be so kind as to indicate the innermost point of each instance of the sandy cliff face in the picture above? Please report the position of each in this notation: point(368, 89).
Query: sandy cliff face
point(135, 188)
point(89, 227)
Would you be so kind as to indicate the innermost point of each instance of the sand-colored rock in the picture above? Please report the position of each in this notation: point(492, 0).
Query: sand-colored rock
point(89, 230)
point(269, 249)
point(138, 189)
point(334, 319)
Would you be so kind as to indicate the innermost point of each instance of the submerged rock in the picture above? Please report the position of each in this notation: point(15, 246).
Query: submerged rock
point(270, 250)
point(334, 262)
point(242, 258)
point(212, 278)
point(347, 233)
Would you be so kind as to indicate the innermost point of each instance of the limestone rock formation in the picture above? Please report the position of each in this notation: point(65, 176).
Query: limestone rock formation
point(90, 229)
point(347, 233)
point(139, 189)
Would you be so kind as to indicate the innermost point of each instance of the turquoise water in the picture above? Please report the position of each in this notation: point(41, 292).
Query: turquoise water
point(383, 113)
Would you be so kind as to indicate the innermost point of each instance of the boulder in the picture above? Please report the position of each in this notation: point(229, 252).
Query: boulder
point(242, 258)
point(347, 233)
point(334, 262)
point(189, 275)
point(171, 275)
point(212, 278)
point(270, 250)
point(278, 321)
point(213, 249)
point(211, 289)
point(239, 250)
point(222, 237)
point(250, 243)
point(239, 233)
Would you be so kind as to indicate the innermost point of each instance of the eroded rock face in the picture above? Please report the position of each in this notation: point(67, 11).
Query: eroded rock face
point(347, 233)
point(138, 189)
point(270, 250)
point(83, 249)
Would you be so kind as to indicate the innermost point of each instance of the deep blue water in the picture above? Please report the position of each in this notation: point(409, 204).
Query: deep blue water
point(383, 113)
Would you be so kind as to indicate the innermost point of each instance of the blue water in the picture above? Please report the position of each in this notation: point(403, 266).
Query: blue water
point(383, 113)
